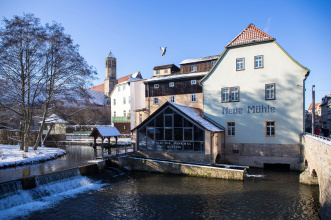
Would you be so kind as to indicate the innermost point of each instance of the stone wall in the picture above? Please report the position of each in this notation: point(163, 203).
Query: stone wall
point(149, 165)
point(317, 159)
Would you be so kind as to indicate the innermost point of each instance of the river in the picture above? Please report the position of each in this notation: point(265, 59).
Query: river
point(142, 195)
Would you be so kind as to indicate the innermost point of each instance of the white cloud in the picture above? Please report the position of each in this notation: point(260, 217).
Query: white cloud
point(266, 29)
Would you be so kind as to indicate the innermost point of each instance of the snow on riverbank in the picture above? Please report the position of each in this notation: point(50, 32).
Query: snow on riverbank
point(10, 155)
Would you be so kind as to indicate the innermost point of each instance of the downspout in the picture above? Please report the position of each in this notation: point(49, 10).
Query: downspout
point(211, 148)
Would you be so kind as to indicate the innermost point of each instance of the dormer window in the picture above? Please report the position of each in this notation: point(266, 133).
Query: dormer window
point(157, 71)
point(166, 71)
point(213, 63)
point(156, 86)
point(193, 82)
point(194, 68)
point(171, 84)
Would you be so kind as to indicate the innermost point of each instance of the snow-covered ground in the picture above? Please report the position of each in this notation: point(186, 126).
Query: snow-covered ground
point(10, 155)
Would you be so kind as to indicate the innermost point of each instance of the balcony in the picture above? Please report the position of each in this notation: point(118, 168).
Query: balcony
point(121, 119)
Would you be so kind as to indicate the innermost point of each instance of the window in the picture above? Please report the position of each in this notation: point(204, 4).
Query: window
point(193, 82)
point(169, 130)
point(140, 117)
point(129, 99)
point(194, 68)
point(114, 113)
point(119, 88)
point(124, 128)
point(270, 92)
point(157, 71)
point(213, 63)
point(270, 128)
point(240, 63)
point(258, 62)
point(124, 100)
point(155, 101)
point(156, 86)
point(129, 114)
point(172, 98)
point(171, 84)
point(193, 97)
point(123, 87)
point(114, 102)
point(166, 71)
point(230, 94)
point(124, 113)
point(231, 129)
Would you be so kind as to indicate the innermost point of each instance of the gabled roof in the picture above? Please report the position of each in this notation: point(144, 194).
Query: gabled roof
point(166, 67)
point(103, 132)
point(250, 34)
point(100, 87)
point(202, 59)
point(130, 77)
point(190, 113)
point(316, 106)
point(54, 119)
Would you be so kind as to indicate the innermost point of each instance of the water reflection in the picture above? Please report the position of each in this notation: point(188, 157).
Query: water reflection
point(156, 196)
point(76, 156)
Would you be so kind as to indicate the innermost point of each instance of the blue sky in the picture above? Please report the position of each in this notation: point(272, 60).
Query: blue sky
point(135, 30)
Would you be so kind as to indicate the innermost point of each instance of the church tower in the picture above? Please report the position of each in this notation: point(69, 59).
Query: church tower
point(110, 80)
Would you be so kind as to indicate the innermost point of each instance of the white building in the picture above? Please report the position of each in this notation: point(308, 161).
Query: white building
point(137, 102)
point(120, 103)
point(256, 91)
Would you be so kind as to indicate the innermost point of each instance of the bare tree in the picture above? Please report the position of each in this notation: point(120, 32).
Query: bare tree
point(41, 66)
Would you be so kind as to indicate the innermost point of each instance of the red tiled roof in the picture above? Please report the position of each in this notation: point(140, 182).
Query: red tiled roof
point(124, 78)
point(316, 106)
point(100, 87)
point(251, 34)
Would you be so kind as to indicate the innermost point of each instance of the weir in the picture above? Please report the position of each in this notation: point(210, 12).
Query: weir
point(48, 189)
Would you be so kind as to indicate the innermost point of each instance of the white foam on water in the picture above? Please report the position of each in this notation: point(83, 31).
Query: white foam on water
point(27, 201)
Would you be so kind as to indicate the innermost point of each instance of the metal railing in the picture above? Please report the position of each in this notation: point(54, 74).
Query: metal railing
point(319, 136)
point(121, 119)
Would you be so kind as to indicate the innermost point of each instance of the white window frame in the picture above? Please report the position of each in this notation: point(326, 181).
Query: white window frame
point(270, 91)
point(123, 87)
point(114, 101)
point(194, 98)
point(124, 100)
point(119, 88)
point(129, 99)
point(230, 94)
point(172, 98)
point(258, 62)
point(269, 128)
point(156, 101)
point(240, 64)
point(194, 68)
point(231, 128)
point(171, 84)
point(124, 113)
point(114, 113)
point(193, 82)
point(156, 86)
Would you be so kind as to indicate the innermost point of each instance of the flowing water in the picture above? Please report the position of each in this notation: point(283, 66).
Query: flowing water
point(139, 195)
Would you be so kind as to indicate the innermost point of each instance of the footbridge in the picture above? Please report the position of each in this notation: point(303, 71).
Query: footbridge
point(317, 163)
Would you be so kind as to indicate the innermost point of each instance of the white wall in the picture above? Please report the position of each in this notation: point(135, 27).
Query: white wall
point(137, 94)
point(119, 95)
point(278, 69)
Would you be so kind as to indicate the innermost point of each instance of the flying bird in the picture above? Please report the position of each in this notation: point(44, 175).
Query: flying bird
point(163, 50)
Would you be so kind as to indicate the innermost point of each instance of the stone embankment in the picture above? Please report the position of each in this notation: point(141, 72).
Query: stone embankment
point(151, 165)
point(317, 161)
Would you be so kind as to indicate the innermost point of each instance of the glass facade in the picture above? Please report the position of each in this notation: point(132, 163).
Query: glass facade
point(170, 130)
